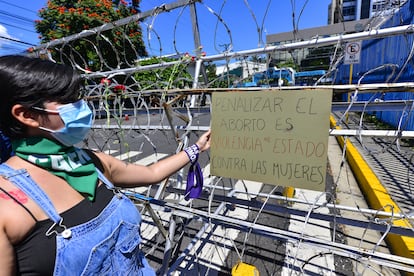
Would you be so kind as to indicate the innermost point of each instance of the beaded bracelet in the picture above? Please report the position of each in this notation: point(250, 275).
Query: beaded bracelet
point(192, 153)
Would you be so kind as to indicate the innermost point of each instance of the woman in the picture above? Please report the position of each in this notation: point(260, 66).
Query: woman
point(59, 214)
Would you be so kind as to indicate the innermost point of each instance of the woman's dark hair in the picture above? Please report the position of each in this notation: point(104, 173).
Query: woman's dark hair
point(32, 82)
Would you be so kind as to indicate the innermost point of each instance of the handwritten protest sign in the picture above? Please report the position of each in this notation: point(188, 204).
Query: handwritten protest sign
point(276, 137)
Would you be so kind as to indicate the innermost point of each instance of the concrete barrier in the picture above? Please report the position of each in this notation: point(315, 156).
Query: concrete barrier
point(377, 196)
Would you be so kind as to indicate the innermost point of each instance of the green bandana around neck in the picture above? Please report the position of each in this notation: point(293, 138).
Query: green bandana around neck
point(70, 163)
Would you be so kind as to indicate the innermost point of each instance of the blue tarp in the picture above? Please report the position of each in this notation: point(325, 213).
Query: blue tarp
point(395, 53)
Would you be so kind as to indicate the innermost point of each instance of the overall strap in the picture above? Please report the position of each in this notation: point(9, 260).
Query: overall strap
point(100, 168)
point(23, 181)
point(105, 180)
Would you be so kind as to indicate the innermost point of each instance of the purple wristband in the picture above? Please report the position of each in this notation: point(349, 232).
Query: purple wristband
point(192, 153)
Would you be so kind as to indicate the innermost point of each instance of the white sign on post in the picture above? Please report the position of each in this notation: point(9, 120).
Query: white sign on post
point(352, 52)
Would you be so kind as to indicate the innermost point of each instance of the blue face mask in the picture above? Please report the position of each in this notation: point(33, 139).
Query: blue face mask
point(77, 117)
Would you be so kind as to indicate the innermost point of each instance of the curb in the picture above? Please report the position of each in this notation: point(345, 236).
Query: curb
point(377, 196)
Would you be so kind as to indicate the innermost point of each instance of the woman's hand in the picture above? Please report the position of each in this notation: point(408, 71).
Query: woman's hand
point(203, 142)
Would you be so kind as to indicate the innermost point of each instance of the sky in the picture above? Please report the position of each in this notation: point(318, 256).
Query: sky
point(221, 23)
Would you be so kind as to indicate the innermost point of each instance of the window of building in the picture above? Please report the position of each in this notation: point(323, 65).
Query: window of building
point(348, 11)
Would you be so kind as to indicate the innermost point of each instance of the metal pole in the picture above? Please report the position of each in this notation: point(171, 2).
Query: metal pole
point(320, 41)
point(197, 237)
point(197, 45)
point(402, 263)
point(168, 246)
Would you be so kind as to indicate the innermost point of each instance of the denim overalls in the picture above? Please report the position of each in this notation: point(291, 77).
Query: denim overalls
point(105, 245)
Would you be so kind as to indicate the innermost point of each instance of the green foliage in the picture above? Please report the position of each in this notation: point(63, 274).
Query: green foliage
point(165, 78)
point(317, 59)
point(288, 63)
point(225, 80)
point(121, 45)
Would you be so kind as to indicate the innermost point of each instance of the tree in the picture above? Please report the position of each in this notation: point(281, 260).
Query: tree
point(225, 80)
point(288, 63)
point(175, 76)
point(118, 47)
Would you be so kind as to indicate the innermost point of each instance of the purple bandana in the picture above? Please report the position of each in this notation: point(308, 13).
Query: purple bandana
point(194, 189)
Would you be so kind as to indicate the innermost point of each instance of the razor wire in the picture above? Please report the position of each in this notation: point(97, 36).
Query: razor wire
point(157, 105)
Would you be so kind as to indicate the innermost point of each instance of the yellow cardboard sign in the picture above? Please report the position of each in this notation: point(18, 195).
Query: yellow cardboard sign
point(275, 137)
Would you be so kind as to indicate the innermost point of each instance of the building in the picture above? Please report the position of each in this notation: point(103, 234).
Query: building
point(241, 69)
point(344, 17)
point(350, 10)
point(299, 55)
point(386, 60)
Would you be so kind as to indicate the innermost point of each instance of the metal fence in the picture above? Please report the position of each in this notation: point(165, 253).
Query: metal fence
point(136, 119)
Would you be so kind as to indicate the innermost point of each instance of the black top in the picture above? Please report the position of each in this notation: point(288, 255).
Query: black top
point(37, 252)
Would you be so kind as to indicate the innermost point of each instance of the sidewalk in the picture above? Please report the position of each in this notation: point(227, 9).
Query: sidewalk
point(349, 194)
